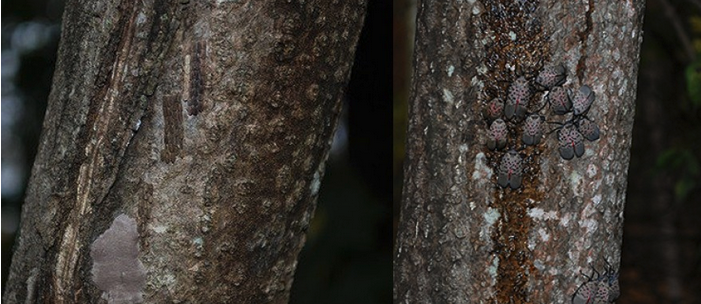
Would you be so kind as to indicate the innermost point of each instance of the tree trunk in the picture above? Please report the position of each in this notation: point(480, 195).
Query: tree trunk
point(195, 130)
point(461, 237)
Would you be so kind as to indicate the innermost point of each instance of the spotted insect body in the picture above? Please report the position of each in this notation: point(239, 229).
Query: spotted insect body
point(497, 134)
point(559, 101)
point(614, 290)
point(599, 288)
point(532, 130)
point(602, 293)
point(518, 98)
point(588, 129)
point(551, 76)
point(494, 109)
point(571, 142)
point(610, 277)
point(582, 100)
point(586, 293)
point(510, 170)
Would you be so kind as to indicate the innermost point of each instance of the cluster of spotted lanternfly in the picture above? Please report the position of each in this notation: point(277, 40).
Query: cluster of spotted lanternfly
point(599, 288)
point(570, 133)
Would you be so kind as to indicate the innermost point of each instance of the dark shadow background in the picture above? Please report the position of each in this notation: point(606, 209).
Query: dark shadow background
point(348, 254)
point(661, 254)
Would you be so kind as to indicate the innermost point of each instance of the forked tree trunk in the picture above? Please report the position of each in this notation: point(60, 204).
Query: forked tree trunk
point(464, 239)
point(208, 124)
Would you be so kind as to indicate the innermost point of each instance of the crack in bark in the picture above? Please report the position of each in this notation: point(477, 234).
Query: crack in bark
point(173, 128)
point(583, 37)
point(196, 78)
point(91, 190)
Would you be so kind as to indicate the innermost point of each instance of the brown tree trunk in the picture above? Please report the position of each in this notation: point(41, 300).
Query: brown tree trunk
point(206, 122)
point(461, 237)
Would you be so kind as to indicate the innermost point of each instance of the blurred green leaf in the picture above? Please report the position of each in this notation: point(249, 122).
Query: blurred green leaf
point(683, 187)
point(695, 22)
point(693, 81)
point(686, 167)
point(669, 159)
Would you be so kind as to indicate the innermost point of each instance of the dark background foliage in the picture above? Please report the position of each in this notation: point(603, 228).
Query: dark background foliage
point(347, 257)
point(661, 254)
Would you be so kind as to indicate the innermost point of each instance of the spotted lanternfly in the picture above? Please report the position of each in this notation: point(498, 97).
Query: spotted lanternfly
point(583, 100)
point(611, 279)
point(588, 129)
point(517, 100)
point(614, 289)
point(497, 135)
point(559, 101)
point(494, 109)
point(586, 293)
point(551, 76)
point(570, 141)
point(602, 293)
point(510, 170)
point(532, 130)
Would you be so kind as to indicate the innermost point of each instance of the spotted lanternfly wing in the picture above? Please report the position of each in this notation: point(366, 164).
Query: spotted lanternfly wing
point(588, 129)
point(559, 101)
point(602, 293)
point(517, 100)
point(611, 279)
point(583, 100)
point(585, 294)
point(614, 289)
point(551, 76)
point(494, 109)
point(510, 170)
point(570, 142)
point(497, 135)
point(532, 130)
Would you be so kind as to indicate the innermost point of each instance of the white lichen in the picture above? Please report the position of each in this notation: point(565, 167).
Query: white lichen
point(482, 169)
point(490, 217)
point(316, 183)
point(544, 235)
point(591, 170)
point(576, 183)
point(565, 220)
point(494, 267)
point(462, 148)
point(447, 96)
point(540, 214)
point(476, 10)
point(140, 18)
point(538, 264)
point(531, 243)
point(589, 225)
point(159, 229)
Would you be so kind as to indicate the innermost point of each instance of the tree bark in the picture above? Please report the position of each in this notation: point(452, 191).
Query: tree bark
point(461, 237)
point(206, 122)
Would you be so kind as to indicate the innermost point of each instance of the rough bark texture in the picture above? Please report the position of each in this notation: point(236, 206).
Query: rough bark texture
point(208, 122)
point(462, 238)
